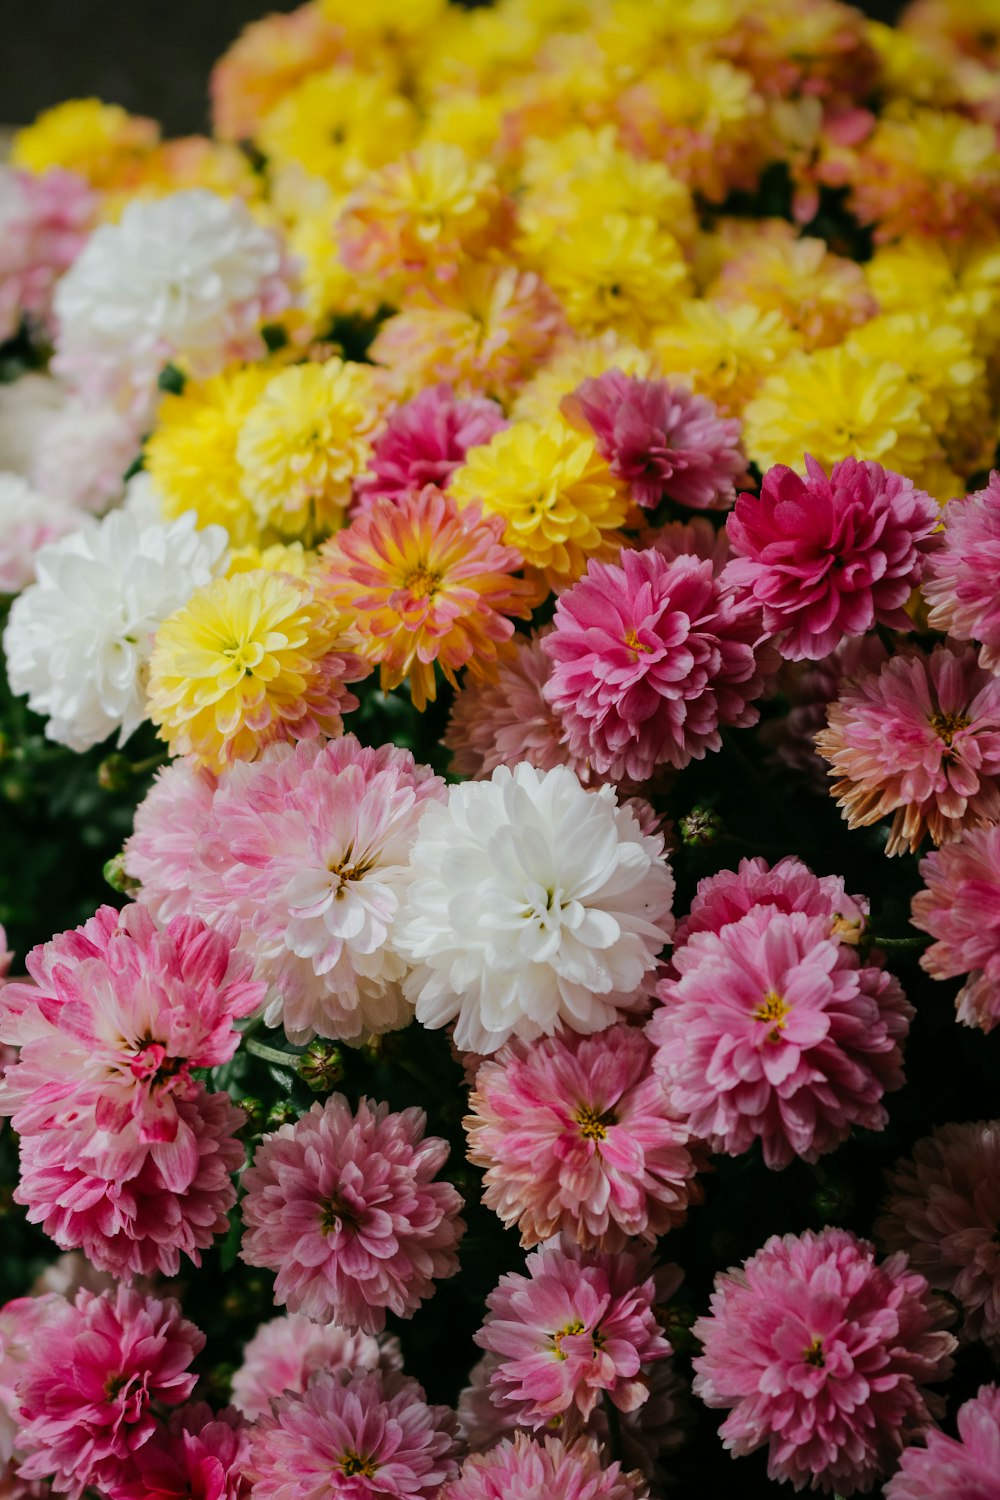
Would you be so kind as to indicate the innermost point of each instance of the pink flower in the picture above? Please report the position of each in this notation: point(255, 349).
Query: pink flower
point(961, 583)
point(425, 441)
point(578, 1325)
point(44, 220)
point(694, 538)
point(576, 1133)
point(943, 1210)
point(773, 1031)
point(962, 1468)
point(82, 454)
point(199, 1454)
point(526, 1467)
point(285, 1353)
point(960, 907)
point(162, 850)
point(504, 722)
point(651, 658)
point(787, 886)
point(23, 1323)
point(361, 1437)
point(28, 520)
point(87, 1395)
point(921, 741)
point(662, 440)
point(822, 1355)
point(344, 1208)
point(829, 557)
point(810, 687)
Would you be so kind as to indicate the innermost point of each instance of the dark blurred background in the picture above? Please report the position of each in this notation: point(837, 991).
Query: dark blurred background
point(152, 56)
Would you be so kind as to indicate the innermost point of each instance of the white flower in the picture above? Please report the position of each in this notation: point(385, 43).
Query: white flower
point(27, 407)
point(189, 277)
point(28, 521)
point(79, 639)
point(533, 905)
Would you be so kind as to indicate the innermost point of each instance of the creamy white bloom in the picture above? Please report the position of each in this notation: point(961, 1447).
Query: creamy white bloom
point(28, 521)
point(27, 407)
point(78, 640)
point(532, 906)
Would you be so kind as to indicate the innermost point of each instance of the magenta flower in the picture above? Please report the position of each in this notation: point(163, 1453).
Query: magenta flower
point(579, 1325)
point(829, 557)
point(822, 1354)
point(662, 440)
point(367, 1436)
point(962, 1468)
point(87, 1395)
point(199, 1454)
point(525, 1466)
point(960, 586)
point(425, 440)
point(576, 1133)
point(46, 219)
point(651, 658)
point(960, 907)
point(285, 1353)
point(344, 1207)
point(787, 886)
point(162, 852)
point(774, 1032)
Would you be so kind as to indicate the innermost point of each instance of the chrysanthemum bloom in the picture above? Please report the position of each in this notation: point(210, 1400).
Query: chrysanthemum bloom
point(525, 1466)
point(354, 1437)
point(830, 556)
point(344, 1207)
point(921, 741)
point(614, 270)
point(651, 659)
point(960, 575)
point(337, 125)
point(23, 1322)
point(44, 221)
point(786, 887)
point(83, 453)
point(578, 1326)
point(422, 583)
point(424, 441)
point(661, 440)
point(533, 906)
point(199, 1452)
point(724, 351)
point(774, 1032)
point(285, 1353)
point(575, 361)
point(79, 639)
point(694, 538)
point(960, 908)
point(577, 1134)
point(823, 1355)
point(248, 661)
point(28, 521)
point(161, 851)
point(269, 58)
point(309, 848)
point(943, 1209)
point(809, 688)
point(304, 442)
point(100, 142)
point(87, 1394)
point(947, 1468)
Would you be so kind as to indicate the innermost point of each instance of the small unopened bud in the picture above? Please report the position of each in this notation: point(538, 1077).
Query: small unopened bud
point(701, 826)
point(322, 1065)
point(118, 877)
point(4, 746)
point(282, 1113)
point(114, 773)
point(256, 1114)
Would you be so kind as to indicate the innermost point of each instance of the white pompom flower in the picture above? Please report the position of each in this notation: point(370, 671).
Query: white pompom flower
point(532, 906)
point(79, 638)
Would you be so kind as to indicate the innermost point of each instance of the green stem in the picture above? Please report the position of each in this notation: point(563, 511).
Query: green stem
point(270, 1054)
point(140, 767)
point(874, 941)
point(614, 1429)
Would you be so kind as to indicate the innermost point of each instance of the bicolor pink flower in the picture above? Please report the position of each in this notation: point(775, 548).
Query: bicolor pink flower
point(199, 1455)
point(960, 585)
point(162, 851)
point(662, 440)
point(425, 440)
point(774, 1032)
point(823, 1355)
point(960, 908)
point(577, 1134)
point(947, 1468)
point(788, 886)
point(579, 1325)
point(525, 1466)
point(344, 1207)
point(830, 556)
point(44, 220)
point(919, 741)
point(651, 659)
point(88, 1394)
point(285, 1353)
point(364, 1436)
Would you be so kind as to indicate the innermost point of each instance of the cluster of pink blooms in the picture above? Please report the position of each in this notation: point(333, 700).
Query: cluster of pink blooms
point(44, 220)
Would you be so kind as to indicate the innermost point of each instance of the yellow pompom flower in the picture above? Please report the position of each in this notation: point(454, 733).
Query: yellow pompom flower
point(302, 443)
point(247, 661)
point(580, 360)
point(337, 126)
point(328, 287)
point(101, 142)
point(267, 60)
point(559, 501)
point(467, 119)
point(622, 271)
point(279, 557)
point(383, 21)
point(724, 352)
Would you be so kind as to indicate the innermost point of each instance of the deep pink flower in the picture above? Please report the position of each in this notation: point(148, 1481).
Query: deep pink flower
point(773, 1031)
point(525, 1466)
point(651, 658)
point(787, 886)
point(44, 221)
point(961, 583)
point(962, 1468)
point(662, 440)
point(367, 1436)
point(23, 1323)
point(829, 557)
point(344, 1207)
point(578, 1325)
point(162, 850)
point(87, 1394)
point(199, 1455)
point(960, 907)
point(920, 740)
point(576, 1133)
point(286, 1352)
point(822, 1355)
point(425, 440)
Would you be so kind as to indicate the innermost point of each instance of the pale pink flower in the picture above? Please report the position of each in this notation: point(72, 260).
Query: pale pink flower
point(962, 1468)
point(526, 1467)
point(44, 220)
point(960, 907)
point(82, 454)
point(344, 1207)
point(787, 886)
point(23, 1323)
point(425, 440)
point(921, 741)
point(162, 850)
point(364, 1436)
point(960, 586)
point(285, 1353)
point(651, 659)
point(577, 1134)
point(822, 1354)
point(774, 1032)
point(28, 520)
point(200, 1453)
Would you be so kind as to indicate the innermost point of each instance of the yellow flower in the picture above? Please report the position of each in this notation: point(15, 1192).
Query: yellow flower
point(279, 557)
point(267, 60)
point(468, 119)
point(622, 271)
point(337, 126)
point(102, 142)
point(539, 399)
point(387, 21)
point(725, 352)
point(328, 286)
point(559, 500)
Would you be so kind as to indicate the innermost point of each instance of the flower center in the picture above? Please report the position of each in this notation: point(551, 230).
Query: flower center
point(594, 1127)
point(773, 1010)
point(633, 642)
point(335, 1216)
point(813, 1354)
point(151, 1061)
point(563, 1333)
point(245, 655)
point(422, 582)
point(348, 867)
point(946, 726)
point(355, 1463)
